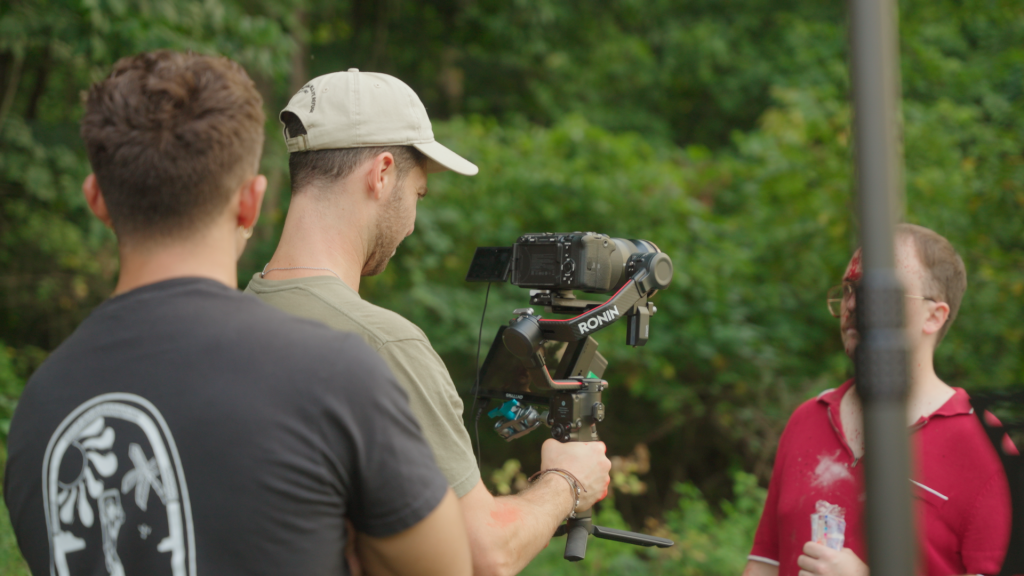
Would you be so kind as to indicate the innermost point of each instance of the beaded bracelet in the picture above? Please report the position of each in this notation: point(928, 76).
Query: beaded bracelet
point(574, 485)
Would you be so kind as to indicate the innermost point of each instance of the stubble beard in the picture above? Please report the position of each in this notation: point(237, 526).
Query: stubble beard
point(387, 237)
point(850, 335)
point(850, 341)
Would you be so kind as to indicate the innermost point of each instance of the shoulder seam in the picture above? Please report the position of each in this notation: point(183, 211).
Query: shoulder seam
point(384, 340)
point(334, 307)
point(403, 340)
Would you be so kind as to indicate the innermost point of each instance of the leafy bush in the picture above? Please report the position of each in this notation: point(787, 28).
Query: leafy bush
point(11, 386)
point(710, 542)
point(10, 390)
point(11, 562)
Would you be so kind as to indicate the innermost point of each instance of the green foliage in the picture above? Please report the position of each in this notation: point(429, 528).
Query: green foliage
point(719, 130)
point(688, 71)
point(11, 562)
point(11, 386)
point(707, 541)
point(57, 258)
point(712, 542)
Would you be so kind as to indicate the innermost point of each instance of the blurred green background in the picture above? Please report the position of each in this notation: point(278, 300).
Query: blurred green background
point(719, 129)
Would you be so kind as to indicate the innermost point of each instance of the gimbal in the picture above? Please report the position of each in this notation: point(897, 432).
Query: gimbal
point(574, 406)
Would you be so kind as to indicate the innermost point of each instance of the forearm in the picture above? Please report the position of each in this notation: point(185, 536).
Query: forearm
point(509, 531)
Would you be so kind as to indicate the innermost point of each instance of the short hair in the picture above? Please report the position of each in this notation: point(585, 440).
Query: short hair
point(324, 167)
point(946, 279)
point(170, 136)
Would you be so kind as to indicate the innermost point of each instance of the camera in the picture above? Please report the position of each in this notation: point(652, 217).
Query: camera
point(553, 265)
point(562, 262)
point(584, 261)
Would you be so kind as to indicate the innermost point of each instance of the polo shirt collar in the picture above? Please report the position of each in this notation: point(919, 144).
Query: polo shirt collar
point(831, 399)
point(958, 404)
point(833, 396)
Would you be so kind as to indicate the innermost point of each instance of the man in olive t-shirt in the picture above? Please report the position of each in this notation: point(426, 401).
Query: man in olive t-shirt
point(360, 148)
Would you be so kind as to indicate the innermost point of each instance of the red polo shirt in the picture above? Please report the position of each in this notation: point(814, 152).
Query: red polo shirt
point(962, 499)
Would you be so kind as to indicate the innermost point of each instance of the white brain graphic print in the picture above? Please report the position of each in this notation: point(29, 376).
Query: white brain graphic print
point(114, 492)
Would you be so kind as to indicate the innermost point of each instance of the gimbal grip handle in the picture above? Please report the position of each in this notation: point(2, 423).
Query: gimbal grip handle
point(576, 542)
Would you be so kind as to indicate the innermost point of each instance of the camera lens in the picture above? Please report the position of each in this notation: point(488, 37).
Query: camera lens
point(625, 248)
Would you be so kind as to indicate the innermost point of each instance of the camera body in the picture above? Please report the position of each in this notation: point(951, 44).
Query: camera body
point(585, 261)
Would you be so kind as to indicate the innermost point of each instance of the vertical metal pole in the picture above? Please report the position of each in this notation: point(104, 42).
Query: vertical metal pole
point(881, 363)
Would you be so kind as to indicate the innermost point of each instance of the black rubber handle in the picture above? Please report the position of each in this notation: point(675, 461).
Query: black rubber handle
point(634, 538)
point(576, 543)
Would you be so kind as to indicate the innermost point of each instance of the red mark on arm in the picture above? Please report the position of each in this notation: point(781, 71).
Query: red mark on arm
point(504, 515)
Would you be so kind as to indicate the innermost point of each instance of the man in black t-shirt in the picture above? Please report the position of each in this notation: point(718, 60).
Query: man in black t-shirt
point(185, 428)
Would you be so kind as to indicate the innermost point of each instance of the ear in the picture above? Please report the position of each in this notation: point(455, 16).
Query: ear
point(382, 171)
point(938, 312)
point(94, 198)
point(250, 198)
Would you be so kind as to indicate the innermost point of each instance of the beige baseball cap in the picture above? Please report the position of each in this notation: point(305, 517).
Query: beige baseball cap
point(356, 109)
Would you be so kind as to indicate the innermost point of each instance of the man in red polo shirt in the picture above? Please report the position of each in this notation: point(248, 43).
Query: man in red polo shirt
point(962, 500)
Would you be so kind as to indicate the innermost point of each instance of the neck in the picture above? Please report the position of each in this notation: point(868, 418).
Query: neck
point(318, 238)
point(926, 391)
point(211, 254)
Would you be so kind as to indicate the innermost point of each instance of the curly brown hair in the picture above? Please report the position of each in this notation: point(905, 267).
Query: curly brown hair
point(170, 137)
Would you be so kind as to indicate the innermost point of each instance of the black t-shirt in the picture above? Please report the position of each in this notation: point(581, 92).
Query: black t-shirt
point(187, 429)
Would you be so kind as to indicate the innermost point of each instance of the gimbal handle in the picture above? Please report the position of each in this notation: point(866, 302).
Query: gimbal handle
point(579, 528)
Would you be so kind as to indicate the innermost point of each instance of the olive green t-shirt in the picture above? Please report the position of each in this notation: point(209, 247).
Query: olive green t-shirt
point(408, 353)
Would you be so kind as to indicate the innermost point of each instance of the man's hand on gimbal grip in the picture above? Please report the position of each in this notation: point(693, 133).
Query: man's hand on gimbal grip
point(587, 461)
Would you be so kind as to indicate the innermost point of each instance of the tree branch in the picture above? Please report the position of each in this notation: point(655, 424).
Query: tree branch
point(11, 88)
point(42, 73)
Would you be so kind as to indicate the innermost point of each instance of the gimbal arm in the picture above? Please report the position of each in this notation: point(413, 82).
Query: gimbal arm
point(524, 336)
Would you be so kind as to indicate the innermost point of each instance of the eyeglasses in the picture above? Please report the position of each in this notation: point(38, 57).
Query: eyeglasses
point(846, 290)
